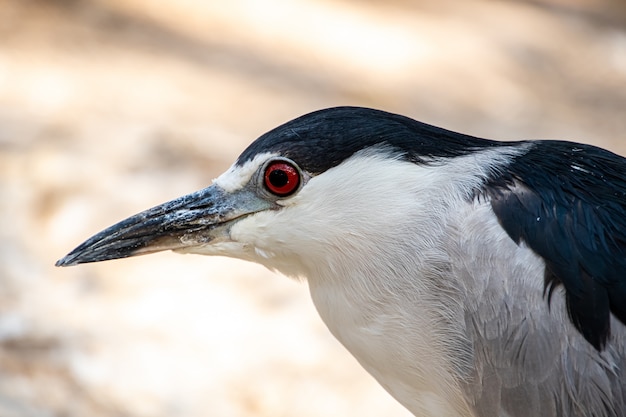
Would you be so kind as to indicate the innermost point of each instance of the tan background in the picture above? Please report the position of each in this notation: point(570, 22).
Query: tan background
point(110, 107)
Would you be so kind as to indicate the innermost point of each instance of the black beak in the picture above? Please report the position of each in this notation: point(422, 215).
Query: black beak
point(193, 220)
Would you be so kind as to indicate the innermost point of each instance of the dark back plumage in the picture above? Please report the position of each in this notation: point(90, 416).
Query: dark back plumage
point(567, 202)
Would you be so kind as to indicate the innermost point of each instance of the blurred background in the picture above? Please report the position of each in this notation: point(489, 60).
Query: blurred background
point(111, 107)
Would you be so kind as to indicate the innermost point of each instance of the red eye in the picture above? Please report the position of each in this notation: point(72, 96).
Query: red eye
point(281, 178)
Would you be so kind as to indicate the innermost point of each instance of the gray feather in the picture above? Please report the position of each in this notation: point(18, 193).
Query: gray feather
point(528, 359)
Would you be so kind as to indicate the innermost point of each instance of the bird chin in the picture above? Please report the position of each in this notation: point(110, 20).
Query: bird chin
point(242, 251)
point(215, 248)
point(216, 242)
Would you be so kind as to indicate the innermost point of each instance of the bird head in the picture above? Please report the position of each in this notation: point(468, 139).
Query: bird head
point(334, 178)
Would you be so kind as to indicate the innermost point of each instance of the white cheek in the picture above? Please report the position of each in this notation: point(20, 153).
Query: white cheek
point(236, 177)
point(256, 231)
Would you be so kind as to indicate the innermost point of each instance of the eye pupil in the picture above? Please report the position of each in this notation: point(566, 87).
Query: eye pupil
point(278, 178)
point(281, 178)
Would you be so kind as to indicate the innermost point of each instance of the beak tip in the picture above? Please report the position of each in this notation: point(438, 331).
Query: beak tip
point(66, 261)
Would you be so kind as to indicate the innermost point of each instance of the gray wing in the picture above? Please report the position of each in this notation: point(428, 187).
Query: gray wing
point(528, 358)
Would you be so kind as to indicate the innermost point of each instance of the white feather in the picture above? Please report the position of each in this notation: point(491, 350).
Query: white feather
point(237, 176)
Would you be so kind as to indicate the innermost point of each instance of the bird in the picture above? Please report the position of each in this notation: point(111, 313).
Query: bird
point(470, 277)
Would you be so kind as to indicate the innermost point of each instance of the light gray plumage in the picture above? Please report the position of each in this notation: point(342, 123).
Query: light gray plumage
point(528, 360)
point(471, 278)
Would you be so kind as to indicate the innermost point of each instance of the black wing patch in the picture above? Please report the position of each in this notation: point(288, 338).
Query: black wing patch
point(567, 202)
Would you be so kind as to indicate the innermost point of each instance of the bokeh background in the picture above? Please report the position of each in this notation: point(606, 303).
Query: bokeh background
point(108, 107)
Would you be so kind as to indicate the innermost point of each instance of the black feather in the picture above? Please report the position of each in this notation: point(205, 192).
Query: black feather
point(567, 202)
point(323, 139)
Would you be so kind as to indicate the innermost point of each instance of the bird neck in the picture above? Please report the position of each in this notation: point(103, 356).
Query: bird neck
point(403, 333)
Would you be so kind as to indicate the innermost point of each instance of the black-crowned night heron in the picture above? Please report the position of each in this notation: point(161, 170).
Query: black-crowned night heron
point(470, 277)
